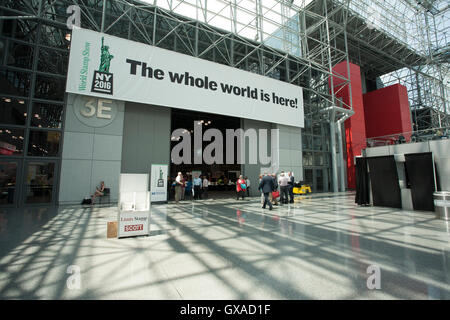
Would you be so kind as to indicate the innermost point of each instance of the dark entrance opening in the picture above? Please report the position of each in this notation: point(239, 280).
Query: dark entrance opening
point(222, 177)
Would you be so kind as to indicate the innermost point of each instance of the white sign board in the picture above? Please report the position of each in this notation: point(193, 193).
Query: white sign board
point(133, 205)
point(104, 66)
point(158, 184)
point(133, 223)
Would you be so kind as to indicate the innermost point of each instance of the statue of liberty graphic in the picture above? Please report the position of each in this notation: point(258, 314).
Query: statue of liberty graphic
point(105, 58)
point(103, 79)
point(160, 180)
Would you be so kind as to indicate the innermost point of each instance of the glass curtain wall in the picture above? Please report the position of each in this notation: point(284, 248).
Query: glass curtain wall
point(33, 65)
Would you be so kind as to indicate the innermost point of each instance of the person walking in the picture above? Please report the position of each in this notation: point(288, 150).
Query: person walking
point(291, 187)
point(240, 187)
point(205, 186)
point(262, 194)
point(197, 187)
point(247, 182)
point(178, 186)
point(266, 186)
point(188, 189)
point(183, 187)
point(275, 183)
point(283, 181)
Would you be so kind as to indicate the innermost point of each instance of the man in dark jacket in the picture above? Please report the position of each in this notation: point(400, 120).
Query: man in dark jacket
point(291, 187)
point(266, 186)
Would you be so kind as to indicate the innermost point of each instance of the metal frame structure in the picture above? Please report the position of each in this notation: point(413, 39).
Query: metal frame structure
point(296, 41)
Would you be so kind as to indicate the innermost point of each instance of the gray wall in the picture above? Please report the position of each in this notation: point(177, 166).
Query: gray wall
point(90, 154)
point(252, 171)
point(290, 152)
point(136, 137)
point(146, 137)
point(291, 156)
point(441, 153)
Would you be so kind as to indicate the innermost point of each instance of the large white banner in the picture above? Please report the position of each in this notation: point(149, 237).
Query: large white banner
point(158, 184)
point(109, 67)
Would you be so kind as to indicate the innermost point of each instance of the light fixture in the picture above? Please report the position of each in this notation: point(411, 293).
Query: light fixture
point(68, 36)
point(7, 99)
point(21, 102)
point(209, 122)
point(24, 114)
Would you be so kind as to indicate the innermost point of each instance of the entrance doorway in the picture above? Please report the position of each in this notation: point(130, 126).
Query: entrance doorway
point(9, 175)
point(38, 182)
point(222, 177)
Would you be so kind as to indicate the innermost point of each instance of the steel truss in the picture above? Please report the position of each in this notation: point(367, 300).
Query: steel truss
point(296, 41)
point(302, 59)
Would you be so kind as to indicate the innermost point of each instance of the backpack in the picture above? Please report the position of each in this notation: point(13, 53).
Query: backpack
point(86, 201)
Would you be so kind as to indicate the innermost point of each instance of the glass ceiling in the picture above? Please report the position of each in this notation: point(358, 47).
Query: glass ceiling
point(263, 20)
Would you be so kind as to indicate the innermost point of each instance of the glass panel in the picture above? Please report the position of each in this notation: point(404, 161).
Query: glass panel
point(44, 143)
point(307, 159)
point(13, 111)
point(317, 128)
point(11, 141)
point(15, 83)
point(308, 177)
point(8, 171)
point(20, 55)
point(53, 61)
point(318, 159)
point(319, 180)
point(55, 37)
point(40, 182)
point(50, 88)
point(46, 115)
point(317, 143)
point(25, 30)
point(307, 142)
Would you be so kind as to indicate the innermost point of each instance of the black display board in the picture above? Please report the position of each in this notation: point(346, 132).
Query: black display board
point(362, 182)
point(421, 178)
point(384, 182)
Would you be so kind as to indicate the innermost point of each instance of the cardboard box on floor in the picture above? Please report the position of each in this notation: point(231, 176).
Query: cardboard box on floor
point(112, 230)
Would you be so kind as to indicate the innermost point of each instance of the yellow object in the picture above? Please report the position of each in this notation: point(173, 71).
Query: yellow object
point(303, 190)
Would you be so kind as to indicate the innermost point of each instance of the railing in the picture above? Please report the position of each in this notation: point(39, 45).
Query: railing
point(409, 137)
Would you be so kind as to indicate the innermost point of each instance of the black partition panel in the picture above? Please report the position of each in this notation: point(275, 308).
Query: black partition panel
point(362, 182)
point(384, 181)
point(421, 178)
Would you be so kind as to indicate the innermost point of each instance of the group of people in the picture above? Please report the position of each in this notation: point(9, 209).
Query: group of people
point(187, 187)
point(269, 184)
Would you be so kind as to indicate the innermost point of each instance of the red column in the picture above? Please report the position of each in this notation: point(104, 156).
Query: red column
point(355, 130)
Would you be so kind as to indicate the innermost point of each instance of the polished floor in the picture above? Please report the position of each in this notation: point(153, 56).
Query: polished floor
point(323, 247)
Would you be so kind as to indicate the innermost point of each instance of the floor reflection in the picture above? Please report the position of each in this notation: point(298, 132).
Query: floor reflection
point(322, 247)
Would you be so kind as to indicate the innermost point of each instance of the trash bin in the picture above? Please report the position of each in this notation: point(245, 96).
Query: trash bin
point(442, 204)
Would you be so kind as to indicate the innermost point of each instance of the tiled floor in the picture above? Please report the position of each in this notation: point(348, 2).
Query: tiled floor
point(320, 248)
